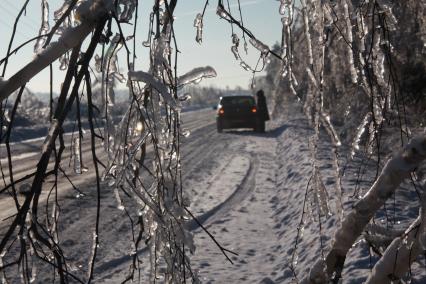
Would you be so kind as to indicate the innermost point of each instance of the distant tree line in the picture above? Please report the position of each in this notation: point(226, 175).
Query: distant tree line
point(203, 96)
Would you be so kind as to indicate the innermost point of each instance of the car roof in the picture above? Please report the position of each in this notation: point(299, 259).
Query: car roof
point(236, 96)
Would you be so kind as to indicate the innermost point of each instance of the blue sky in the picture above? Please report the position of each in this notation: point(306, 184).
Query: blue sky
point(260, 16)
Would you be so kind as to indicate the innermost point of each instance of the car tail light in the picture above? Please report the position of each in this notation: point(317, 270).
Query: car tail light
point(221, 111)
point(254, 110)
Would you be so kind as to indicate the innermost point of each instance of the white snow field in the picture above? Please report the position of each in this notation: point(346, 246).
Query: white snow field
point(248, 190)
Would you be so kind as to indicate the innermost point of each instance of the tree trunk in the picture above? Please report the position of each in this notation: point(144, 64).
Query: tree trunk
point(395, 171)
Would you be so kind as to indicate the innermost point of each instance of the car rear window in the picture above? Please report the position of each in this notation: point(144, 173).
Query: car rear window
point(237, 101)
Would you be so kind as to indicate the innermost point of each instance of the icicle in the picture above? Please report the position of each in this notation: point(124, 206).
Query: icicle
point(63, 60)
point(301, 229)
point(127, 12)
point(422, 229)
point(312, 77)
point(325, 119)
point(111, 57)
point(44, 28)
point(284, 71)
point(118, 172)
point(160, 54)
point(120, 205)
point(293, 91)
point(360, 133)
point(3, 276)
point(133, 150)
point(293, 77)
point(95, 245)
point(235, 40)
point(338, 187)
point(234, 48)
point(33, 273)
point(153, 258)
point(371, 138)
point(321, 196)
point(379, 64)
point(285, 20)
point(98, 63)
point(58, 13)
point(284, 6)
point(295, 260)
point(307, 32)
point(6, 116)
point(349, 35)
point(196, 74)
point(198, 23)
point(110, 72)
point(76, 155)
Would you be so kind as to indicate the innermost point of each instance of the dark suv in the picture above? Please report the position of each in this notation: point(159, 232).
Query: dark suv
point(236, 112)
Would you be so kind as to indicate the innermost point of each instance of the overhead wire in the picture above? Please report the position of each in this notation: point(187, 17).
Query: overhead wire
point(19, 32)
point(17, 9)
point(11, 12)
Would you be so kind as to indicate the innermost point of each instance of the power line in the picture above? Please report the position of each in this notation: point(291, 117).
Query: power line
point(10, 14)
point(17, 9)
point(18, 31)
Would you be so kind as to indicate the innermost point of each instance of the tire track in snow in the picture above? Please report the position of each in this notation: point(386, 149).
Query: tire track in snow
point(242, 190)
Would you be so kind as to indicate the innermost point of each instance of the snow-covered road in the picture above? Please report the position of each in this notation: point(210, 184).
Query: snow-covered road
point(239, 194)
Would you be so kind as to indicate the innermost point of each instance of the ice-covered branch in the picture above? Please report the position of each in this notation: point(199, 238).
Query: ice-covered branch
point(155, 83)
point(89, 12)
point(399, 256)
point(32, 199)
point(402, 252)
point(394, 172)
point(224, 14)
point(196, 75)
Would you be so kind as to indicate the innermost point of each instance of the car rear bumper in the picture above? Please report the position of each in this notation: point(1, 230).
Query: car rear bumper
point(226, 123)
